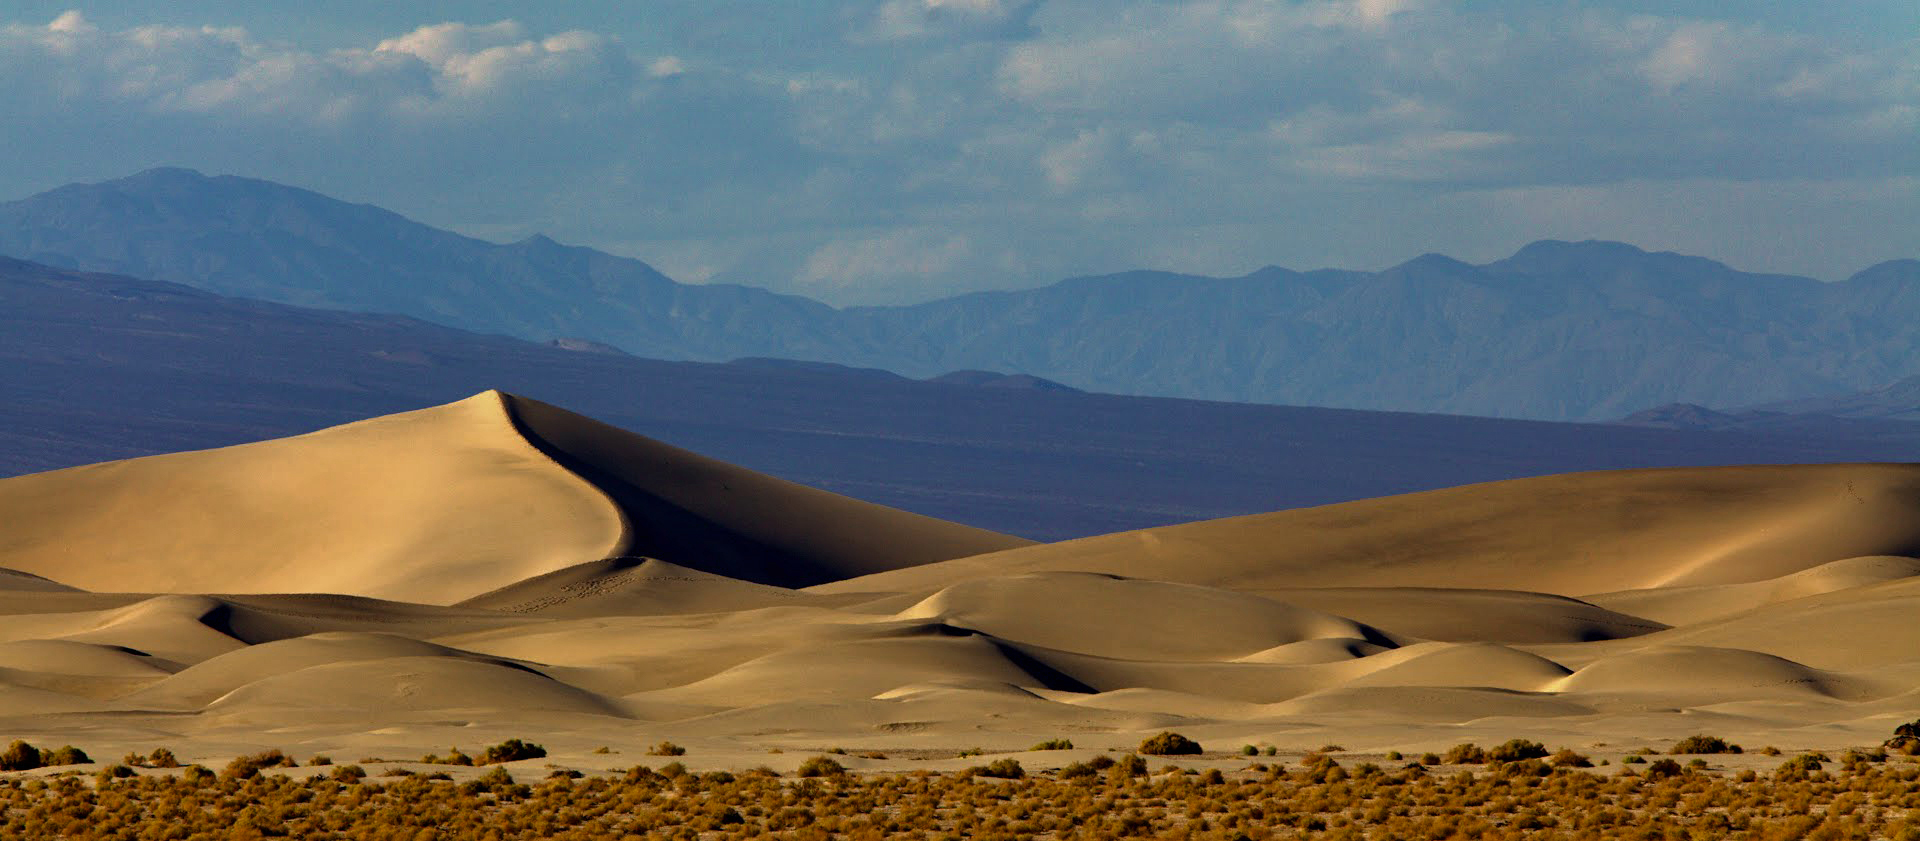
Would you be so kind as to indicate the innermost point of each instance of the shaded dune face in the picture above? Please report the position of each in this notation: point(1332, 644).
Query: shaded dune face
point(500, 566)
point(691, 510)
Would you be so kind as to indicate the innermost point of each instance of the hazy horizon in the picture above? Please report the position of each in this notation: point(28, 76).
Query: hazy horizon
point(901, 150)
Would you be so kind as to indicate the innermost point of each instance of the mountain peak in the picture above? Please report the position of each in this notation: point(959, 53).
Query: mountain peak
point(167, 173)
point(1433, 262)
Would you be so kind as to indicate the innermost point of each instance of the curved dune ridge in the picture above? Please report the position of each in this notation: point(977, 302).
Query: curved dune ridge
point(439, 505)
point(502, 568)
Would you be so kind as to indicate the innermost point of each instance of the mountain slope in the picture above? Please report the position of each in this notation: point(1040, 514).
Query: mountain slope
point(257, 239)
point(1557, 331)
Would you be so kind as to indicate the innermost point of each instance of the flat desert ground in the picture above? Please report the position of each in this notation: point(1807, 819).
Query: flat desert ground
point(500, 568)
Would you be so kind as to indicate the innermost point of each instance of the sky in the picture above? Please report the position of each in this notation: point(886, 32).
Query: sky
point(892, 151)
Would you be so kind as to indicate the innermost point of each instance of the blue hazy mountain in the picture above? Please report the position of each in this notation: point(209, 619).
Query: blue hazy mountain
point(1559, 330)
point(99, 367)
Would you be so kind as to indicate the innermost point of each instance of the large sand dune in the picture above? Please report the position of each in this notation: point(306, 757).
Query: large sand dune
point(502, 568)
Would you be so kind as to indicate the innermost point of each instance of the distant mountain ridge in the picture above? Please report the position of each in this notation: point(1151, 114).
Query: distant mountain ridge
point(1559, 330)
point(99, 367)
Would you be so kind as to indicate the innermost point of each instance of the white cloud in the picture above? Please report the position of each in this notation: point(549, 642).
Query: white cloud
point(930, 144)
point(895, 20)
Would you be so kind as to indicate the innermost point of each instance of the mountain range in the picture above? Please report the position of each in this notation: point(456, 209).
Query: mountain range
point(98, 367)
point(1559, 330)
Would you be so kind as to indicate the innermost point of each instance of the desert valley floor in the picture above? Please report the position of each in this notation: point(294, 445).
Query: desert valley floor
point(500, 568)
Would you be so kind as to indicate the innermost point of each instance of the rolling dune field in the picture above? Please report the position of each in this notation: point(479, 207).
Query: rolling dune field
point(499, 568)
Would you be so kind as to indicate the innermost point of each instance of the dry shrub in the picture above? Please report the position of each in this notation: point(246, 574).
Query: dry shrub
point(1567, 758)
point(248, 767)
point(20, 756)
point(1514, 750)
point(821, 766)
point(1004, 769)
point(1169, 743)
point(671, 749)
point(511, 750)
point(1053, 744)
point(1465, 753)
point(1702, 744)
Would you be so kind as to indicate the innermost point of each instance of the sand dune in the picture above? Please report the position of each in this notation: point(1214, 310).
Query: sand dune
point(1568, 535)
point(440, 505)
point(498, 567)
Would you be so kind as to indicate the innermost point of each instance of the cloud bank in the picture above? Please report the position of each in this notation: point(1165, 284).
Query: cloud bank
point(908, 148)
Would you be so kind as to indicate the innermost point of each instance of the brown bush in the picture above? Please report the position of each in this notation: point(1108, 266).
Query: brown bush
point(511, 750)
point(1169, 743)
point(1701, 744)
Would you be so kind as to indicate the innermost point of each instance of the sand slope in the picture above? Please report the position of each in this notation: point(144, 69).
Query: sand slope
point(501, 568)
point(439, 505)
point(1571, 534)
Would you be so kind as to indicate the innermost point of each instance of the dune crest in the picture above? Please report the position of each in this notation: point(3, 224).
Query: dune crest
point(439, 505)
point(425, 506)
point(1567, 535)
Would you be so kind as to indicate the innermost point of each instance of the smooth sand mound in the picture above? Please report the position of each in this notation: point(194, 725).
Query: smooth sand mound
point(79, 669)
point(1569, 534)
point(859, 669)
point(633, 587)
point(709, 515)
point(428, 506)
point(1866, 630)
point(1075, 612)
point(205, 682)
point(1693, 671)
point(1467, 615)
point(1428, 704)
point(17, 581)
point(395, 688)
point(1686, 605)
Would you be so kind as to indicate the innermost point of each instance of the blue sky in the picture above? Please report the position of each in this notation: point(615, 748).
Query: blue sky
point(896, 150)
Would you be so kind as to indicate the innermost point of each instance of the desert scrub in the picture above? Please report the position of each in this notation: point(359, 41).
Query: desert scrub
point(821, 766)
point(511, 750)
point(1702, 745)
point(1004, 769)
point(21, 756)
point(1521, 799)
point(1054, 744)
point(1514, 750)
point(1169, 743)
point(671, 749)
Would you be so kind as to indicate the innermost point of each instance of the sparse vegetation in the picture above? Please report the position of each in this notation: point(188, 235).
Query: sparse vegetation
point(1514, 750)
point(1567, 758)
point(1054, 744)
point(1906, 739)
point(821, 766)
point(1169, 743)
point(1523, 798)
point(671, 749)
point(514, 750)
point(1004, 769)
point(248, 767)
point(20, 756)
point(1692, 745)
